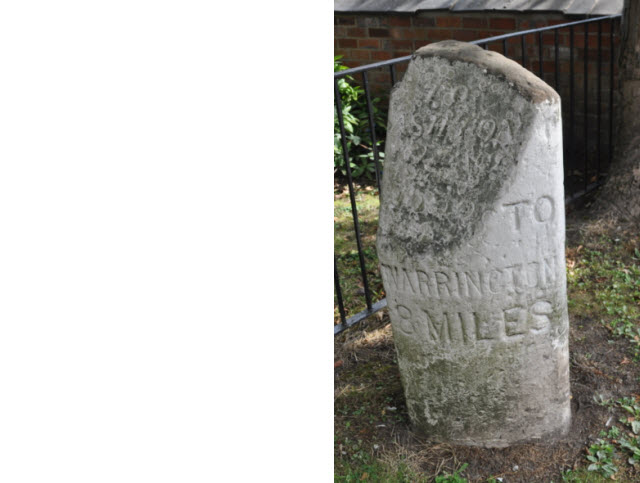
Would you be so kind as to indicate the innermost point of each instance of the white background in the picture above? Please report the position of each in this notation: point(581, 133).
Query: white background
point(165, 241)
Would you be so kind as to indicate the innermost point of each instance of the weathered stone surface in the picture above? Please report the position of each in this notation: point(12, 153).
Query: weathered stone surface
point(571, 7)
point(471, 247)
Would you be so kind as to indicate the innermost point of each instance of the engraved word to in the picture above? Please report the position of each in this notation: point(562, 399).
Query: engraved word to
point(541, 210)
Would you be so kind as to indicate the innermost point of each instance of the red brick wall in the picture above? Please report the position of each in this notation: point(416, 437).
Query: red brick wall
point(367, 38)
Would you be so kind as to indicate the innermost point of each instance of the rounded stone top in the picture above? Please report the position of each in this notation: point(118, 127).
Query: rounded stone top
point(528, 85)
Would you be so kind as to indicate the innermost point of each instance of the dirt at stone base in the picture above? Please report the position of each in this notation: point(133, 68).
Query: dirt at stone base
point(601, 368)
point(598, 368)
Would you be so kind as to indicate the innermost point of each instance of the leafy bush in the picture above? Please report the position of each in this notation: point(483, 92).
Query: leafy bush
point(357, 130)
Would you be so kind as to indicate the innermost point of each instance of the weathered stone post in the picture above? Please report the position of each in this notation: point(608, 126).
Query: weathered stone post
point(471, 247)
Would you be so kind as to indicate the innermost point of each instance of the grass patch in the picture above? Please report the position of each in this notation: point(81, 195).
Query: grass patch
point(582, 475)
point(603, 279)
point(371, 469)
point(346, 248)
point(616, 452)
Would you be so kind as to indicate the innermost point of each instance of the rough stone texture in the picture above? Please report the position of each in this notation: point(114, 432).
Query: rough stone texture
point(471, 246)
point(582, 7)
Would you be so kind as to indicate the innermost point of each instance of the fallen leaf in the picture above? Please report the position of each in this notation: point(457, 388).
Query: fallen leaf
point(625, 361)
point(337, 364)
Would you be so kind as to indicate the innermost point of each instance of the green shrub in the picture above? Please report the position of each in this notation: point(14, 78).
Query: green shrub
point(357, 130)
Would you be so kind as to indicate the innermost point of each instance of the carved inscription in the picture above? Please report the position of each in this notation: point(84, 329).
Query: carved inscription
point(449, 150)
point(467, 327)
point(472, 284)
point(541, 210)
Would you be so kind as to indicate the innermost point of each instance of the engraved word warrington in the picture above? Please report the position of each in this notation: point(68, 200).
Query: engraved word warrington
point(447, 284)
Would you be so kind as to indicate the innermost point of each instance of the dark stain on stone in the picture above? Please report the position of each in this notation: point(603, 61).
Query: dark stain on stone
point(457, 125)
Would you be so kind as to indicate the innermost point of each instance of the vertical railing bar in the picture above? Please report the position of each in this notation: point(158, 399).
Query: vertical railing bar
point(486, 46)
point(352, 195)
point(599, 100)
point(571, 123)
point(336, 281)
point(556, 57)
point(524, 55)
point(392, 68)
point(372, 128)
point(540, 54)
point(504, 47)
point(586, 106)
point(610, 94)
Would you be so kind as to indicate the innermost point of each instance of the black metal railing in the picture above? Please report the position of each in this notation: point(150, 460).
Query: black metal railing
point(584, 166)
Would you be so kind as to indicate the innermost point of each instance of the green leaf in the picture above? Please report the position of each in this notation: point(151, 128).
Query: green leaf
point(609, 469)
point(633, 447)
point(627, 408)
point(357, 127)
